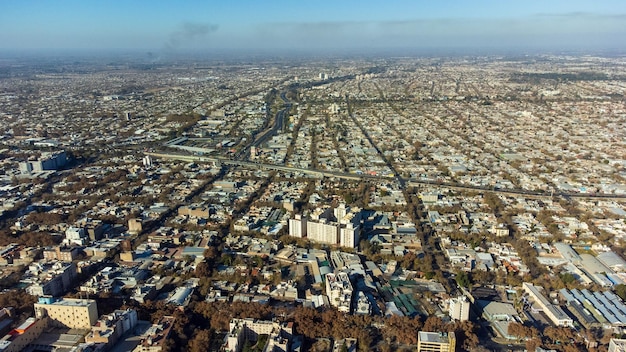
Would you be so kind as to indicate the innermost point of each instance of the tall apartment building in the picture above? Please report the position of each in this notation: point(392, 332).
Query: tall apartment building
point(339, 226)
point(436, 342)
point(459, 308)
point(297, 226)
point(48, 161)
point(323, 231)
point(67, 312)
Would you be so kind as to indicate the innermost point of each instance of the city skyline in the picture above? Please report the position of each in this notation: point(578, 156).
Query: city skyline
point(344, 26)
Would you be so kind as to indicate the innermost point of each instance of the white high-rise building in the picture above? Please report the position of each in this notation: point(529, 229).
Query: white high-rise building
point(349, 236)
point(341, 226)
point(298, 226)
point(147, 160)
point(459, 308)
point(322, 231)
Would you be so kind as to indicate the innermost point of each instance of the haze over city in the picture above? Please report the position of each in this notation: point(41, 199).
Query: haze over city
point(313, 25)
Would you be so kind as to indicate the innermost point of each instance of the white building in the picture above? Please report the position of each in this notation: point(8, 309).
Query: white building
point(242, 330)
point(297, 226)
point(552, 311)
point(76, 235)
point(459, 308)
point(617, 345)
point(340, 226)
point(323, 231)
point(339, 291)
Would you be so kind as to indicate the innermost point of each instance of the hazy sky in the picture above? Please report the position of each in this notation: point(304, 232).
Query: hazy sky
point(312, 24)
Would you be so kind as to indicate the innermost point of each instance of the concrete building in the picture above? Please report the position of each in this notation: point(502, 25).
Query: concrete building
point(617, 345)
point(200, 212)
point(350, 227)
point(297, 226)
point(47, 162)
point(154, 339)
point(76, 235)
point(322, 231)
point(241, 330)
point(134, 226)
point(554, 312)
point(459, 308)
point(499, 315)
point(19, 338)
point(49, 279)
point(109, 328)
point(436, 342)
point(339, 226)
point(339, 291)
point(67, 312)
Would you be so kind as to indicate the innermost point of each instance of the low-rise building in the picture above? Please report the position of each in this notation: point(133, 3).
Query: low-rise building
point(436, 342)
point(279, 335)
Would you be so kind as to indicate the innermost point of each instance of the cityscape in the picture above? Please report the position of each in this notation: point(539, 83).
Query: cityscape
point(309, 199)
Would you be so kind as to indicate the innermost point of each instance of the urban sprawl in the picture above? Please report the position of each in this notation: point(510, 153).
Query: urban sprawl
point(392, 204)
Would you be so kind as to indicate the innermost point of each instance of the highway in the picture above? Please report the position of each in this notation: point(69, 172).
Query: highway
point(279, 123)
point(317, 173)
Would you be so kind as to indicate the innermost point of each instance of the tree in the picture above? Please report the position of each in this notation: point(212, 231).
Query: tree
point(433, 324)
point(462, 279)
point(203, 269)
point(567, 278)
point(620, 290)
point(201, 341)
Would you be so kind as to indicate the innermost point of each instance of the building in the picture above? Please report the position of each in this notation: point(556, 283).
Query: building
point(554, 312)
point(49, 279)
point(297, 226)
point(76, 235)
point(154, 339)
point(109, 328)
point(459, 308)
point(47, 162)
point(64, 254)
point(134, 226)
point(339, 291)
point(200, 212)
point(349, 226)
point(19, 338)
point(617, 345)
point(499, 315)
point(67, 312)
point(436, 342)
point(339, 226)
point(323, 231)
point(241, 330)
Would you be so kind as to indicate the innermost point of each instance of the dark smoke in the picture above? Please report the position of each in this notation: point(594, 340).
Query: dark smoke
point(188, 32)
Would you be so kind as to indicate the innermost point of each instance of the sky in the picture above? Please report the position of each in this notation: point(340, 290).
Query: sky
point(171, 26)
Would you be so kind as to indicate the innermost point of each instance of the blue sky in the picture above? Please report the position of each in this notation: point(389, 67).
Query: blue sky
point(307, 24)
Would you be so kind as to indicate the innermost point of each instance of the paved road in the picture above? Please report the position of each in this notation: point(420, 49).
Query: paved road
point(411, 182)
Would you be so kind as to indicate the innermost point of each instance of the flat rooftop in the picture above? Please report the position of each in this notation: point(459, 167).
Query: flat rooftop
point(436, 337)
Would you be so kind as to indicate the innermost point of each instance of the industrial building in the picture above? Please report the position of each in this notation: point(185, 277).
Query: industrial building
point(596, 308)
point(554, 312)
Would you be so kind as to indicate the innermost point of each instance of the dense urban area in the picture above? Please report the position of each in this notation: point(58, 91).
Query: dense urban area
point(330, 204)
